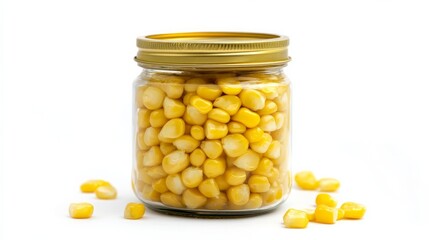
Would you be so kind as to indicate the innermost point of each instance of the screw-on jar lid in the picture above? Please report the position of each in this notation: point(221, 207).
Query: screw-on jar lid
point(212, 50)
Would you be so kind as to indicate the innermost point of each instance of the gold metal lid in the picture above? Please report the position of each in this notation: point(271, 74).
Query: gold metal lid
point(212, 50)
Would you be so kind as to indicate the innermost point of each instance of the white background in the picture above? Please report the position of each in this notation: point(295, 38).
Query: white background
point(360, 112)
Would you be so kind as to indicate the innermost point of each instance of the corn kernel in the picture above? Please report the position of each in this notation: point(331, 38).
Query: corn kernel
point(150, 194)
point(269, 108)
point(139, 96)
point(153, 157)
point(186, 143)
point(248, 161)
point(173, 108)
point(193, 199)
point(270, 92)
point(91, 185)
point(160, 185)
point(247, 117)
point(258, 184)
point(230, 85)
point(214, 167)
point(280, 119)
point(219, 115)
point(310, 214)
point(353, 210)
point(255, 201)
point(166, 148)
point(282, 102)
point(209, 188)
point(218, 203)
point(202, 105)
point(143, 176)
point(153, 98)
point(273, 195)
point(268, 123)
point(193, 83)
point(174, 87)
point(192, 177)
point(222, 183)
point(156, 172)
point(229, 104)
point(209, 92)
point(106, 192)
point(134, 211)
point(197, 157)
point(215, 130)
point(187, 98)
point(193, 116)
point(239, 195)
point(175, 162)
point(81, 210)
point(341, 213)
point(212, 148)
point(329, 184)
point(197, 132)
point(236, 127)
point(326, 199)
point(174, 128)
point(235, 176)
point(175, 184)
point(254, 134)
point(140, 141)
point(172, 200)
point(151, 136)
point(325, 214)
point(274, 150)
point(235, 145)
point(273, 175)
point(264, 167)
point(157, 118)
point(295, 219)
point(252, 99)
point(306, 180)
point(143, 117)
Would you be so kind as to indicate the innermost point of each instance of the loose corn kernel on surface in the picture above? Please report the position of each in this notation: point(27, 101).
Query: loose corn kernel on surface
point(134, 211)
point(81, 210)
point(212, 141)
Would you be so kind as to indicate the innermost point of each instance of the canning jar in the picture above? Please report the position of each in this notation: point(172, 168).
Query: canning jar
point(211, 125)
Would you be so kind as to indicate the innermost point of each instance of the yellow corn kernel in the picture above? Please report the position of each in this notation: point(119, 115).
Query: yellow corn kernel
point(153, 157)
point(212, 148)
point(197, 132)
point(325, 214)
point(139, 96)
point(235, 176)
point(91, 185)
point(150, 194)
point(209, 92)
point(193, 199)
point(328, 184)
point(258, 184)
point(173, 108)
point(270, 92)
point(353, 210)
point(186, 143)
point(174, 89)
point(229, 104)
point(247, 117)
point(248, 161)
point(219, 115)
point(140, 141)
point(326, 199)
point(306, 180)
point(222, 183)
point(235, 145)
point(264, 167)
point(166, 148)
point(192, 84)
point(254, 134)
point(156, 172)
point(106, 192)
point(230, 85)
point(215, 130)
point(192, 177)
point(294, 218)
point(175, 184)
point(161, 139)
point(268, 123)
point(134, 211)
point(280, 119)
point(209, 188)
point(255, 201)
point(174, 128)
point(187, 98)
point(202, 105)
point(193, 116)
point(197, 157)
point(238, 195)
point(214, 167)
point(310, 214)
point(81, 210)
point(236, 127)
point(252, 99)
point(171, 199)
point(175, 162)
point(274, 150)
point(143, 117)
point(282, 102)
point(273, 175)
point(269, 108)
point(143, 176)
point(218, 203)
point(157, 118)
point(151, 136)
point(153, 98)
point(273, 195)
point(160, 185)
point(341, 213)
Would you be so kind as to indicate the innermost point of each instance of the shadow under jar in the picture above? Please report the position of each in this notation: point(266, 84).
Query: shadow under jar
point(211, 125)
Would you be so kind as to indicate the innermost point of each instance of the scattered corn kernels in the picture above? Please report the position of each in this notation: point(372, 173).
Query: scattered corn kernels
point(326, 199)
point(91, 185)
point(306, 180)
point(328, 184)
point(294, 218)
point(81, 210)
point(353, 210)
point(106, 192)
point(134, 211)
point(325, 214)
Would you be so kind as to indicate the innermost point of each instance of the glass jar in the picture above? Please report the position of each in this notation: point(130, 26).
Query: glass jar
point(211, 125)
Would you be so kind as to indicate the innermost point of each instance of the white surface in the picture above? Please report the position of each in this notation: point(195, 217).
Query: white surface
point(360, 111)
